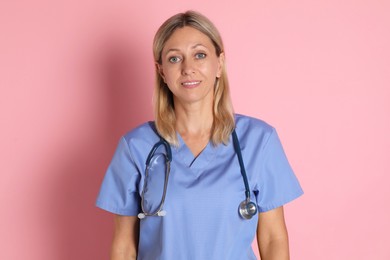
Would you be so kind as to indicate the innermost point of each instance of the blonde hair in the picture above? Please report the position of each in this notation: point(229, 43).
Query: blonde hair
point(223, 116)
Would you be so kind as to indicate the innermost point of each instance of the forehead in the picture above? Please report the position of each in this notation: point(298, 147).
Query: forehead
point(185, 37)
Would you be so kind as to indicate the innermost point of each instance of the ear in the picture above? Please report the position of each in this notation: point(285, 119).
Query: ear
point(160, 71)
point(221, 64)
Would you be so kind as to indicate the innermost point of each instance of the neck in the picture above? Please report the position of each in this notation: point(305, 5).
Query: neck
point(194, 119)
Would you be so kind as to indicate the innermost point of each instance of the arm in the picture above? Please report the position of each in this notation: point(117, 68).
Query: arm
point(125, 242)
point(272, 235)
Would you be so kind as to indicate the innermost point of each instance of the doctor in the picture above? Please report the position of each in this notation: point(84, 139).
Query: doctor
point(194, 114)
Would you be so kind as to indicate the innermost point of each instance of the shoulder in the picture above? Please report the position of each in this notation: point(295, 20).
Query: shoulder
point(250, 125)
point(142, 135)
point(253, 133)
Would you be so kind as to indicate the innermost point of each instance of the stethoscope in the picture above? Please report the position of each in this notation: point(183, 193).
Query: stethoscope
point(247, 209)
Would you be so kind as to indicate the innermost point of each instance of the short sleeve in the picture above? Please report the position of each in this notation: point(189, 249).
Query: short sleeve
point(119, 193)
point(277, 183)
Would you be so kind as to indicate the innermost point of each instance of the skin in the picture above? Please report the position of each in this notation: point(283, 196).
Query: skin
point(190, 68)
point(272, 237)
point(125, 241)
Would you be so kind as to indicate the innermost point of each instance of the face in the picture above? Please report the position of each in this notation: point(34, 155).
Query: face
point(190, 66)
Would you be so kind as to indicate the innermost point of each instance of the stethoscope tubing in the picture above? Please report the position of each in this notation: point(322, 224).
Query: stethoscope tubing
point(237, 149)
point(159, 209)
point(168, 159)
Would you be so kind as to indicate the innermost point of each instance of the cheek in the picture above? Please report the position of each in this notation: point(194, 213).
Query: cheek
point(169, 75)
point(211, 70)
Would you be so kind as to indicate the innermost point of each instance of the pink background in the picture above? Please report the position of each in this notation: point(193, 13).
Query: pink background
point(76, 75)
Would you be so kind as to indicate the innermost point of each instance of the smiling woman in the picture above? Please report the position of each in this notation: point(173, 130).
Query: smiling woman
point(189, 62)
point(190, 199)
point(222, 110)
point(189, 67)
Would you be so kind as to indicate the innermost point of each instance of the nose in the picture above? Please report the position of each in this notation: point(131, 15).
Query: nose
point(187, 67)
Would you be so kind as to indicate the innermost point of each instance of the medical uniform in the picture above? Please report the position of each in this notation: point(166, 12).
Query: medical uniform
point(202, 219)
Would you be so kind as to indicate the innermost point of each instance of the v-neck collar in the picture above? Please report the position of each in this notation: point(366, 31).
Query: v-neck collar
point(189, 160)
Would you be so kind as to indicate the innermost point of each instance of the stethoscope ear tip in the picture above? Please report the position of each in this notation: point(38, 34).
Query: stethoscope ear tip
point(161, 213)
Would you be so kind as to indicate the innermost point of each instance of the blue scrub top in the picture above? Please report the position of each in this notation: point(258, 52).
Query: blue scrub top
point(203, 195)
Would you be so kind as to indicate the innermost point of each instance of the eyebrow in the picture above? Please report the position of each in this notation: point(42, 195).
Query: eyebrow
point(193, 47)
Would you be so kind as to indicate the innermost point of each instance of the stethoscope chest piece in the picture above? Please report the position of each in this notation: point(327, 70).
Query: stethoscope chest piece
point(247, 209)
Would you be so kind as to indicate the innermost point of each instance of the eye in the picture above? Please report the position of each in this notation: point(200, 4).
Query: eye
point(174, 59)
point(200, 56)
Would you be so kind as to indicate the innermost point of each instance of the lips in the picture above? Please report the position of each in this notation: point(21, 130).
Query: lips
point(191, 84)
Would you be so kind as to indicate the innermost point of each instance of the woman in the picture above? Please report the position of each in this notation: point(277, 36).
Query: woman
point(197, 215)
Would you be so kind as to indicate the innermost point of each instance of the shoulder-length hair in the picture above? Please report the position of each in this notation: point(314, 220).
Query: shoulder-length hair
point(223, 116)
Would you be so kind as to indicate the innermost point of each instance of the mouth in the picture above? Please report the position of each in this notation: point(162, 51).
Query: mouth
point(190, 84)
